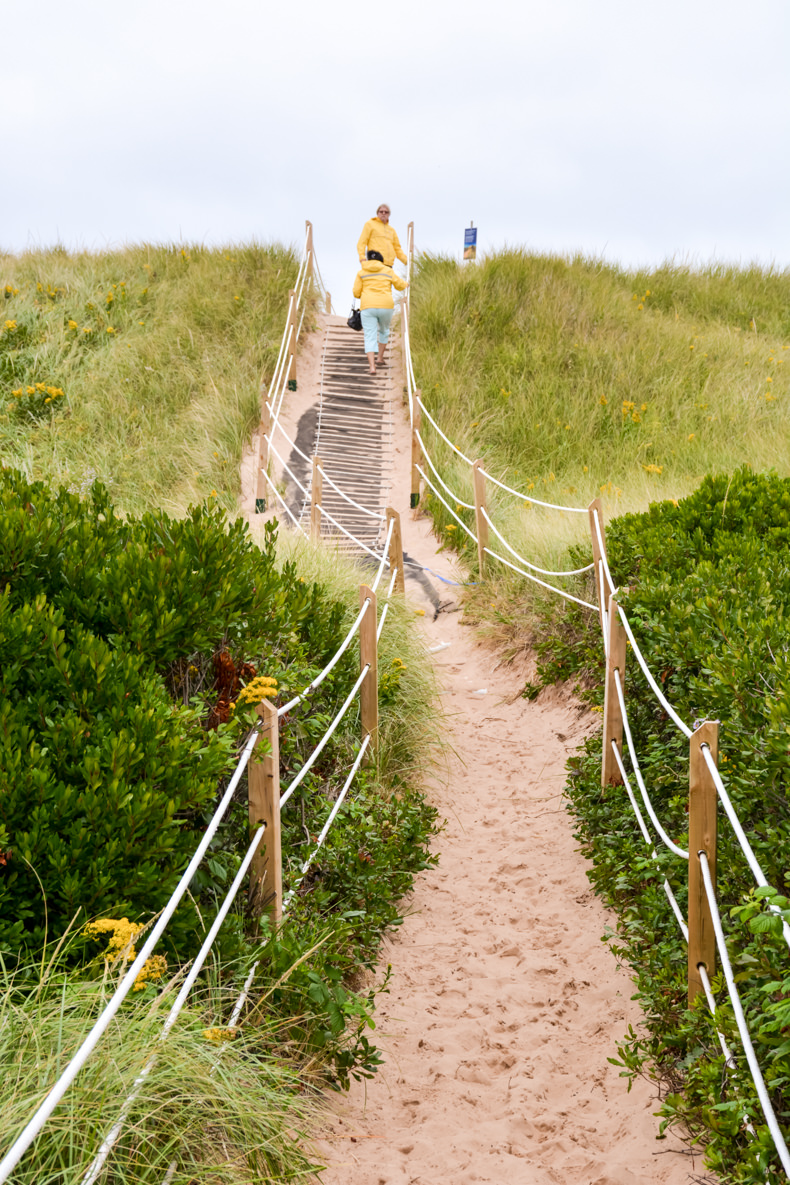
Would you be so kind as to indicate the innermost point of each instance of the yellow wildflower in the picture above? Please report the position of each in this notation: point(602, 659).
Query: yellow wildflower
point(653, 468)
point(122, 934)
point(153, 968)
point(691, 435)
point(10, 325)
point(111, 330)
point(73, 325)
point(220, 1034)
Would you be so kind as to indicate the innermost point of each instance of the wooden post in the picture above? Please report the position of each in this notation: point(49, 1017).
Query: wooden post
point(396, 550)
point(263, 779)
point(262, 460)
point(316, 496)
point(596, 504)
point(410, 246)
point(480, 522)
point(703, 801)
point(612, 716)
point(328, 305)
point(368, 655)
point(291, 324)
point(416, 454)
point(309, 248)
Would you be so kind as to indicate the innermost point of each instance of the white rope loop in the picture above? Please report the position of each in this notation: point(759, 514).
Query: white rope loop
point(740, 834)
point(534, 501)
point(325, 829)
point(311, 760)
point(662, 699)
point(344, 645)
point(673, 847)
point(533, 567)
point(283, 503)
point(351, 502)
point(429, 483)
point(740, 1019)
point(384, 555)
point(446, 439)
point(443, 484)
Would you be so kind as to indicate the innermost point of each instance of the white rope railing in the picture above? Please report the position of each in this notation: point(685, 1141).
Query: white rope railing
point(740, 834)
point(311, 760)
point(532, 567)
point(673, 847)
point(458, 501)
point(325, 514)
point(429, 483)
point(111, 1138)
point(536, 580)
point(528, 498)
point(286, 468)
point(384, 555)
point(56, 1093)
point(602, 546)
point(662, 699)
point(740, 1019)
point(344, 645)
point(357, 505)
point(279, 428)
point(325, 829)
point(445, 438)
point(283, 503)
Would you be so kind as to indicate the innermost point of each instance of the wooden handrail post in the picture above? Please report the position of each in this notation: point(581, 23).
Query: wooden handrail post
point(262, 459)
point(395, 555)
point(309, 248)
point(316, 497)
point(328, 304)
point(703, 801)
point(291, 325)
point(480, 522)
point(368, 656)
point(612, 716)
point(596, 504)
point(416, 454)
point(263, 780)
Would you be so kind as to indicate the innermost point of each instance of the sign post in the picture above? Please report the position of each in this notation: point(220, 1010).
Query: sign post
point(470, 242)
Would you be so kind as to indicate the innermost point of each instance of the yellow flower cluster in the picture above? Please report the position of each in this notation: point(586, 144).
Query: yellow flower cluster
point(153, 968)
point(40, 389)
point(261, 687)
point(653, 468)
point(121, 932)
point(10, 326)
point(10, 291)
point(218, 1035)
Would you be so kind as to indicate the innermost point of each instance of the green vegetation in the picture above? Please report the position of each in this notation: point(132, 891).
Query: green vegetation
point(139, 368)
point(542, 367)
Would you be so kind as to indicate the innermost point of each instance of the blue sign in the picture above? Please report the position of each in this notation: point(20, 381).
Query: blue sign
point(470, 242)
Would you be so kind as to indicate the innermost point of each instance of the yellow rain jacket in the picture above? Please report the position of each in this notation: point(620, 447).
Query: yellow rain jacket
point(380, 236)
point(373, 285)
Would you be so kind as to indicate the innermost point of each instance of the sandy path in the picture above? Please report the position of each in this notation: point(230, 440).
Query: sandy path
point(504, 1004)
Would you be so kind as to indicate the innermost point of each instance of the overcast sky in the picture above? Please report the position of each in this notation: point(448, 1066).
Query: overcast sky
point(637, 131)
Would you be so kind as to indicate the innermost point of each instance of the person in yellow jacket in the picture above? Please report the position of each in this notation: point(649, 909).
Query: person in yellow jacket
point(378, 235)
point(373, 288)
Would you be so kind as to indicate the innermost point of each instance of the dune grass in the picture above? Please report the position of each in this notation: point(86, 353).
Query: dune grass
point(573, 379)
point(148, 362)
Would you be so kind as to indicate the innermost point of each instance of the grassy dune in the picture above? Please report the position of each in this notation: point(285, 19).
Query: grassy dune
point(140, 367)
point(574, 379)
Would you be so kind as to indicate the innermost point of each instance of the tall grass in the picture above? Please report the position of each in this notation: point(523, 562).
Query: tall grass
point(573, 379)
point(159, 352)
point(225, 1110)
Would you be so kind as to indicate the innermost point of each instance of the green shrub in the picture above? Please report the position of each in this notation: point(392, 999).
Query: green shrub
point(708, 599)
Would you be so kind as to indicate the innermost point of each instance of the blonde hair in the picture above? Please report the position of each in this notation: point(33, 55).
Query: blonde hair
point(385, 205)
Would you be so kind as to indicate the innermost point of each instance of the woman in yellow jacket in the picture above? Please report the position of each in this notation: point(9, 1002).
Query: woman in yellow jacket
point(378, 235)
point(373, 288)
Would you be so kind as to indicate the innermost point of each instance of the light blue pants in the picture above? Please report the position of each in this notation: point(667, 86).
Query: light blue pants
point(376, 327)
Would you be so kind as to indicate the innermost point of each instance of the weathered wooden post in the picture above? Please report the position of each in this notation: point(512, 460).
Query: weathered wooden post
point(416, 453)
point(597, 505)
point(612, 715)
point(480, 521)
point(316, 496)
point(309, 248)
point(328, 304)
point(263, 780)
point(290, 329)
point(262, 459)
point(368, 656)
point(395, 555)
point(703, 801)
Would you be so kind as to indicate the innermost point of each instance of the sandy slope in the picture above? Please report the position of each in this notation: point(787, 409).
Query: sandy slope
point(504, 1004)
